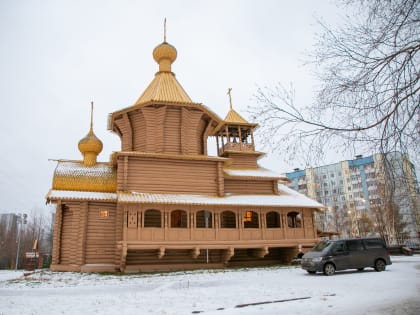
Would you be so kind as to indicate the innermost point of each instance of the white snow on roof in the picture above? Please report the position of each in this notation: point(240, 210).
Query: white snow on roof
point(286, 198)
point(80, 195)
point(78, 168)
point(259, 172)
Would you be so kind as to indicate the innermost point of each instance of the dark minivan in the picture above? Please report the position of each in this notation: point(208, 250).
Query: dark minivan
point(328, 256)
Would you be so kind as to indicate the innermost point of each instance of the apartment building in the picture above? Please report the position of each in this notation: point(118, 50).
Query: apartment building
point(362, 197)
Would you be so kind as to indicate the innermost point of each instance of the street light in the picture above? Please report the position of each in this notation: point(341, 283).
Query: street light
point(349, 212)
point(21, 219)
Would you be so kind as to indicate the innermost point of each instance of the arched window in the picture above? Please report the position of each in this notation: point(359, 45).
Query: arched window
point(204, 219)
point(294, 220)
point(228, 220)
point(251, 220)
point(152, 218)
point(273, 219)
point(179, 219)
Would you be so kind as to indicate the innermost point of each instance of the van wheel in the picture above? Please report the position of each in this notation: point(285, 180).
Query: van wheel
point(380, 265)
point(329, 269)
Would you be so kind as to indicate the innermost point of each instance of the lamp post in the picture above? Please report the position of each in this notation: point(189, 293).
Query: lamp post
point(350, 220)
point(21, 219)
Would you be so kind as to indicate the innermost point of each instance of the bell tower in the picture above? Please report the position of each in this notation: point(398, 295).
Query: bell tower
point(235, 139)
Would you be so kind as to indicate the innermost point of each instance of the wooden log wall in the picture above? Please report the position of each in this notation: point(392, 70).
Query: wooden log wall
point(248, 186)
point(243, 160)
point(153, 131)
point(164, 129)
point(124, 130)
point(70, 228)
point(100, 233)
point(191, 131)
point(172, 137)
point(58, 219)
point(155, 175)
point(138, 122)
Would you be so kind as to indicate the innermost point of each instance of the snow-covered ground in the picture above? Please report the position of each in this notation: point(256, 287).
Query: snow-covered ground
point(274, 290)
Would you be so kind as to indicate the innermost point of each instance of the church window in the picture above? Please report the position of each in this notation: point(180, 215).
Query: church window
point(228, 220)
point(273, 219)
point(204, 219)
point(250, 219)
point(294, 220)
point(179, 219)
point(103, 213)
point(152, 218)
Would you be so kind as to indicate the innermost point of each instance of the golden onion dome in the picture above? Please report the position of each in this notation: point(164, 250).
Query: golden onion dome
point(90, 146)
point(164, 54)
point(90, 143)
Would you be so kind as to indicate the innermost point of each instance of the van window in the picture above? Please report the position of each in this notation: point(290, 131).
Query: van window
point(340, 247)
point(355, 245)
point(321, 246)
point(374, 243)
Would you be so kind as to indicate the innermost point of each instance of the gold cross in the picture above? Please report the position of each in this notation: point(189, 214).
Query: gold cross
point(230, 97)
point(91, 114)
point(164, 30)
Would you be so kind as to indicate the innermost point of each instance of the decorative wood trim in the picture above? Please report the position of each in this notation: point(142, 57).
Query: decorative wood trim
point(123, 261)
point(228, 254)
point(125, 181)
point(128, 135)
point(161, 252)
point(220, 180)
point(195, 252)
point(57, 234)
point(84, 209)
point(207, 132)
point(275, 187)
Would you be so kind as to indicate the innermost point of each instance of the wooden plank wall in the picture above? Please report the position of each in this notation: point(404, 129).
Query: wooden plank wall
point(154, 129)
point(163, 129)
point(191, 131)
point(69, 247)
point(100, 235)
point(248, 186)
point(124, 127)
point(154, 175)
point(138, 122)
point(243, 160)
point(172, 135)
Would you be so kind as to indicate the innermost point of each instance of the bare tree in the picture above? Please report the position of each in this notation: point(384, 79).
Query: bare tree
point(37, 228)
point(394, 197)
point(369, 98)
point(8, 241)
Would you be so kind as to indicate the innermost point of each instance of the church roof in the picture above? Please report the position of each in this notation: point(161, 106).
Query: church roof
point(75, 176)
point(259, 172)
point(286, 198)
point(80, 195)
point(233, 117)
point(164, 88)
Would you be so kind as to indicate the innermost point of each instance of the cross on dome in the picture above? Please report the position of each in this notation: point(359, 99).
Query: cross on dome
point(90, 146)
point(164, 54)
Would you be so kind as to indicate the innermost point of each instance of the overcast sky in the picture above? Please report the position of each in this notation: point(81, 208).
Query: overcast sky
point(57, 56)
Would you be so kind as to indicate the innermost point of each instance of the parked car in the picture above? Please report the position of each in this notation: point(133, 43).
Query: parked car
point(413, 245)
point(329, 256)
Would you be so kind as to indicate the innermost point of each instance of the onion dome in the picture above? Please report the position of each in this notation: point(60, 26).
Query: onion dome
point(90, 146)
point(164, 54)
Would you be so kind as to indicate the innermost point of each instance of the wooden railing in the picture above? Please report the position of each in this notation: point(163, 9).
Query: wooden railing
point(238, 146)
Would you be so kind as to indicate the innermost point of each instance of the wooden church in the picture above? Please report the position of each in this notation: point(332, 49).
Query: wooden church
point(162, 203)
